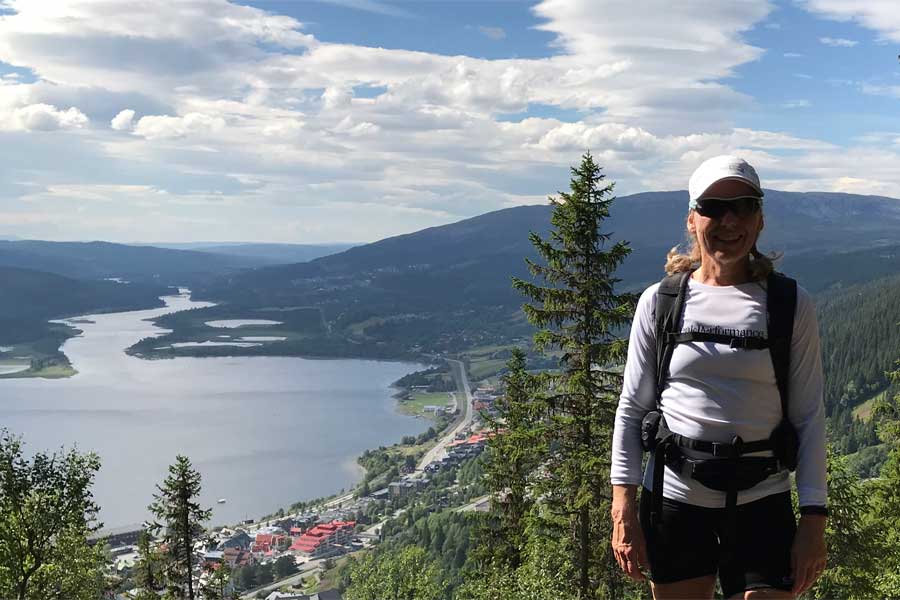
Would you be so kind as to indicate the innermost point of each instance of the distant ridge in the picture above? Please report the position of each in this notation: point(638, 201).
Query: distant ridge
point(473, 259)
point(273, 253)
point(29, 298)
point(101, 260)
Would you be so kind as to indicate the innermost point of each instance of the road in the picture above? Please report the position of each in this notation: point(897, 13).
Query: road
point(305, 569)
point(437, 452)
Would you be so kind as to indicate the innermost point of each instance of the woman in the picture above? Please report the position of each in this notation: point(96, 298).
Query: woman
point(722, 408)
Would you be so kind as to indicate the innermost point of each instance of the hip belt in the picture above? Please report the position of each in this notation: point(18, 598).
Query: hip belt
point(727, 471)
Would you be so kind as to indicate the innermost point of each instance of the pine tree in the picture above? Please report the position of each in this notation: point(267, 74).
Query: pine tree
point(579, 314)
point(218, 583)
point(886, 499)
point(513, 453)
point(180, 519)
point(147, 569)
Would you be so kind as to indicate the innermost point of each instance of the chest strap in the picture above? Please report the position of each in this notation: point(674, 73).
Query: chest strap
point(743, 342)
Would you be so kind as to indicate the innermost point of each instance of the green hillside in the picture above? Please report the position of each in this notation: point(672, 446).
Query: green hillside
point(100, 260)
point(446, 289)
point(28, 299)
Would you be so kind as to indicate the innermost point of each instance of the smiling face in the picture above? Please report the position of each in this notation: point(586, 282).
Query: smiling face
point(727, 240)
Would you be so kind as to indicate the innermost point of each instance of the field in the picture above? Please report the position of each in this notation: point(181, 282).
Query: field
point(486, 361)
point(55, 371)
point(191, 327)
point(417, 402)
point(863, 412)
point(43, 352)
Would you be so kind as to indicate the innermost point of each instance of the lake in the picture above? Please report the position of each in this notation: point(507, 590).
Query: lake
point(263, 431)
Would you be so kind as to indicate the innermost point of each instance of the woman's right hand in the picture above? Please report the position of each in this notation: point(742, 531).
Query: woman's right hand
point(627, 536)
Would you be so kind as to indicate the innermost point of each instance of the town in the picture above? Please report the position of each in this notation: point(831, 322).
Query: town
point(288, 556)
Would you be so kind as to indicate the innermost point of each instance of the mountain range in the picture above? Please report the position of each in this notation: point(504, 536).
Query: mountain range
point(262, 252)
point(441, 289)
point(471, 261)
point(28, 299)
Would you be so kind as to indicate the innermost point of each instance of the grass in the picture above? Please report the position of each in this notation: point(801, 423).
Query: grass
point(479, 370)
point(863, 412)
point(359, 329)
point(417, 402)
point(190, 326)
point(487, 351)
point(330, 578)
point(44, 350)
point(48, 372)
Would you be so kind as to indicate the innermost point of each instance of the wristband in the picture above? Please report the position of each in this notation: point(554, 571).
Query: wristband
point(814, 510)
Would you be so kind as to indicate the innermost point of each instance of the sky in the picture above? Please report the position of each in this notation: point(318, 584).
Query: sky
point(314, 121)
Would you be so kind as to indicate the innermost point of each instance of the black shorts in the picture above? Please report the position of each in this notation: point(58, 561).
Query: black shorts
point(686, 543)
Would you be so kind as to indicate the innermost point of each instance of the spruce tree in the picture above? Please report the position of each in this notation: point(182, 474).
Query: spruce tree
point(180, 518)
point(886, 499)
point(217, 585)
point(147, 568)
point(579, 315)
point(513, 453)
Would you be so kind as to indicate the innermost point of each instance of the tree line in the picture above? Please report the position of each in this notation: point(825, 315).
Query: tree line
point(48, 515)
point(547, 534)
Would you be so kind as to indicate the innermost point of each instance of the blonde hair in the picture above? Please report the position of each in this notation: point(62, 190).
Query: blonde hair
point(761, 265)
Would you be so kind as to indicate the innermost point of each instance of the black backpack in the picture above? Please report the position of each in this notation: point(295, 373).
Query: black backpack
point(781, 304)
point(728, 471)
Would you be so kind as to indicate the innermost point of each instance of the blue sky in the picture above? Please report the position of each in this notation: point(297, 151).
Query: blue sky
point(353, 120)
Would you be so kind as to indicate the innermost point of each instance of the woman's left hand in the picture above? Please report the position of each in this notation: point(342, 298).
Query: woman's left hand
point(808, 554)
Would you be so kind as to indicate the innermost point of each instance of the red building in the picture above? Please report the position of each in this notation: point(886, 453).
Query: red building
point(265, 543)
point(324, 539)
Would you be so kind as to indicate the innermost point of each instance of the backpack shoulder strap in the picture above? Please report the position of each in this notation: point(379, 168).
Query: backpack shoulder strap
point(669, 306)
point(781, 304)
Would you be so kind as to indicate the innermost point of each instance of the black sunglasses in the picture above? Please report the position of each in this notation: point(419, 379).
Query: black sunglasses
point(715, 208)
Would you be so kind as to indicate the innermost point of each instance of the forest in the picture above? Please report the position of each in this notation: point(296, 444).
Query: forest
point(547, 534)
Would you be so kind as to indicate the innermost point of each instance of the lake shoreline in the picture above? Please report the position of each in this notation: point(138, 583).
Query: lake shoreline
point(301, 436)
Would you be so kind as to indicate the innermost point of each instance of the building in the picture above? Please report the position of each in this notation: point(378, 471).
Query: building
point(117, 537)
point(265, 543)
point(237, 557)
point(238, 540)
point(324, 539)
point(405, 487)
point(214, 556)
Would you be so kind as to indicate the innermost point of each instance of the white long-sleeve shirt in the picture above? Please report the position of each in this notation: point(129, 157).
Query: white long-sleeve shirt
point(715, 392)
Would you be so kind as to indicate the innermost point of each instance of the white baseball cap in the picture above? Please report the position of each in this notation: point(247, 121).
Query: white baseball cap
point(719, 168)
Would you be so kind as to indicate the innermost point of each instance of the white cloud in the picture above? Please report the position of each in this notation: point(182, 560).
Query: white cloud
point(123, 121)
point(797, 104)
point(353, 129)
point(792, 55)
point(337, 97)
point(838, 42)
point(163, 126)
point(881, 16)
point(881, 90)
point(45, 117)
point(245, 112)
point(373, 6)
point(494, 33)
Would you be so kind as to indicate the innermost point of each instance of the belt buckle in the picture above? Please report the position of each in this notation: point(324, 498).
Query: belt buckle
point(720, 450)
